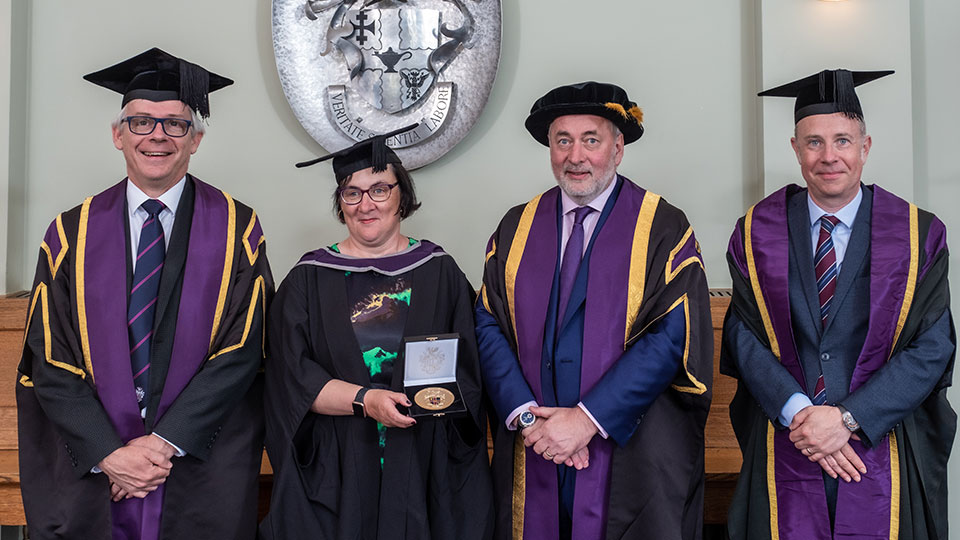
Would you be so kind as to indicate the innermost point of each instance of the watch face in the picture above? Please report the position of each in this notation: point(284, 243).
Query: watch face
point(526, 419)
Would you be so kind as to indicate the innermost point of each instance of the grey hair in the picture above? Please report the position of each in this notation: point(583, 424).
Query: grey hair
point(198, 125)
point(616, 130)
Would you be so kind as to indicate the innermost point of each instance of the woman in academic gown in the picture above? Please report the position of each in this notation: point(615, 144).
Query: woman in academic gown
point(348, 460)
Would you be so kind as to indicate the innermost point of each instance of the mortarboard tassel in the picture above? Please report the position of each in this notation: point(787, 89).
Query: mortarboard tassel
point(378, 157)
point(194, 86)
point(846, 97)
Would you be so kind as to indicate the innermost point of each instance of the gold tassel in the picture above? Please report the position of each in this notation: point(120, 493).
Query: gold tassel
point(616, 107)
point(637, 113)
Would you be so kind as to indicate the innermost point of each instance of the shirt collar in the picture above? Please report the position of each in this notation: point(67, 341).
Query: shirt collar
point(567, 204)
point(846, 215)
point(170, 198)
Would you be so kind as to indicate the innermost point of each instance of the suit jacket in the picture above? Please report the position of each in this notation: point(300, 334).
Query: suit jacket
point(625, 382)
point(893, 391)
point(895, 350)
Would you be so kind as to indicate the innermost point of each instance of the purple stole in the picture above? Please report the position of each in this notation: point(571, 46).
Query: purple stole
point(529, 273)
point(102, 310)
point(798, 505)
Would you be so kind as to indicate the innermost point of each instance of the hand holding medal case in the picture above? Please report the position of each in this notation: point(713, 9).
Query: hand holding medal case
point(430, 375)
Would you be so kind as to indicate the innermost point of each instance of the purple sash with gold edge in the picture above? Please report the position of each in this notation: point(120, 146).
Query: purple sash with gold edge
point(603, 335)
point(798, 503)
point(103, 297)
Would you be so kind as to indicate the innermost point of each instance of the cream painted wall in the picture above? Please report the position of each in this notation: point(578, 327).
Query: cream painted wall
point(697, 149)
point(936, 140)
point(5, 38)
point(803, 37)
point(711, 146)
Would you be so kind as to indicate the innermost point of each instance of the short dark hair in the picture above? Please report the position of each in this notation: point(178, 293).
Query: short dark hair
point(408, 195)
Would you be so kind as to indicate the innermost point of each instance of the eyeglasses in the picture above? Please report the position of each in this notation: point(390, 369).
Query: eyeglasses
point(144, 125)
point(377, 193)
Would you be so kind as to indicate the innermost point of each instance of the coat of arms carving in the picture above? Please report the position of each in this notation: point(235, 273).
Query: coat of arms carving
point(352, 69)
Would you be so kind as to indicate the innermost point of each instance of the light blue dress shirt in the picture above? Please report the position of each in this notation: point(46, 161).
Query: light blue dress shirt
point(841, 238)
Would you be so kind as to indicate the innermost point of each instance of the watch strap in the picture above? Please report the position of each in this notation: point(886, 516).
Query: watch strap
point(358, 407)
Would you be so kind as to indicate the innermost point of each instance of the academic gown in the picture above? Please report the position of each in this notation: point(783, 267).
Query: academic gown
point(328, 482)
point(75, 395)
point(641, 277)
point(886, 354)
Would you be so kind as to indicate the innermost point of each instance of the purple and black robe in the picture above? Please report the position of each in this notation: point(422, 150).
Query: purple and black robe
point(644, 264)
point(75, 392)
point(780, 493)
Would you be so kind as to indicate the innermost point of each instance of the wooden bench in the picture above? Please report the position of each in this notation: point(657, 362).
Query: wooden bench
point(722, 453)
point(13, 314)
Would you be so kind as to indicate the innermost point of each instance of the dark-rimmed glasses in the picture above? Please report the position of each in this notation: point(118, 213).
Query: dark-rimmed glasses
point(144, 125)
point(377, 193)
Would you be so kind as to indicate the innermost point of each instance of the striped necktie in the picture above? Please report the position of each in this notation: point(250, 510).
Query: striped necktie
point(143, 297)
point(825, 265)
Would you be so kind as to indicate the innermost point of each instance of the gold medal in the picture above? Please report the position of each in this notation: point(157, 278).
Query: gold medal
point(434, 398)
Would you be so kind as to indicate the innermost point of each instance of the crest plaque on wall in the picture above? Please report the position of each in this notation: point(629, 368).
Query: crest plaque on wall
point(354, 69)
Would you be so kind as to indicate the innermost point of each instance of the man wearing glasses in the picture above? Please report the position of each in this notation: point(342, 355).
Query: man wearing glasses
point(138, 396)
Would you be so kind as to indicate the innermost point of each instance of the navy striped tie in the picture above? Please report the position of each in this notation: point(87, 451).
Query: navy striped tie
point(825, 267)
point(143, 297)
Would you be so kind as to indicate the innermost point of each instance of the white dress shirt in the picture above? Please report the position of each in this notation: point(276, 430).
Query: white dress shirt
point(137, 216)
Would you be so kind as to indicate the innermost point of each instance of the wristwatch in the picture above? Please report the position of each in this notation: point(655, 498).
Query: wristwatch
point(849, 421)
point(526, 419)
point(358, 409)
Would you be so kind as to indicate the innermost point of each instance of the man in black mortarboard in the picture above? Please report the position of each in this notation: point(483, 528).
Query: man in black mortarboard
point(841, 336)
point(139, 399)
point(595, 341)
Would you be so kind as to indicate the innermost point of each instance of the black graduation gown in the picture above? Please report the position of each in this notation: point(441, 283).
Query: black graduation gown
point(435, 481)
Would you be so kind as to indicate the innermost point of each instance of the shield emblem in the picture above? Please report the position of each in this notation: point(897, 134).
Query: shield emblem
point(388, 54)
point(351, 69)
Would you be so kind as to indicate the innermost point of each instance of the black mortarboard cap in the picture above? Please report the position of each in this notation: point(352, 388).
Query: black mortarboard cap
point(601, 99)
point(830, 91)
point(372, 152)
point(156, 75)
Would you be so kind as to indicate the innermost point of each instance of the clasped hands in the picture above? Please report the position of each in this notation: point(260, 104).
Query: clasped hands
point(818, 432)
point(561, 435)
point(138, 468)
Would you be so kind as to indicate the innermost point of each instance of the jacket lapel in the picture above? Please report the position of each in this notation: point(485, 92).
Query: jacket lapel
point(798, 218)
point(176, 255)
point(855, 254)
point(579, 292)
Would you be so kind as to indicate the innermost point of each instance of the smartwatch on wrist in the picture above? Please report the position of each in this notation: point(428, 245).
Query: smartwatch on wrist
point(358, 409)
point(849, 421)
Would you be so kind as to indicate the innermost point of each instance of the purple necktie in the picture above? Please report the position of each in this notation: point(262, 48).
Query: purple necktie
point(570, 264)
point(825, 267)
point(143, 297)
